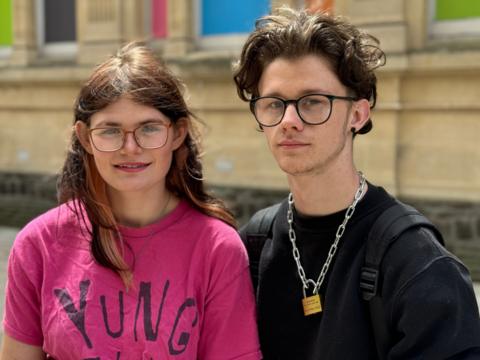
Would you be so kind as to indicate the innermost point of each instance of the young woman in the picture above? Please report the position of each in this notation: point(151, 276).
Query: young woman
point(138, 261)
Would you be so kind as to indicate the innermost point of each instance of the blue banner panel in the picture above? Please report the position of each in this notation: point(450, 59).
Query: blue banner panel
point(221, 17)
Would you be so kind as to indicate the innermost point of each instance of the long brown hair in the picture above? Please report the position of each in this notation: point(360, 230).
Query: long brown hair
point(134, 71)
point(290, 34)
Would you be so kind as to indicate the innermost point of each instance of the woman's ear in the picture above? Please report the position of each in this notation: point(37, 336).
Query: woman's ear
point(81, 131)
point(180, 130)
point(360, 115)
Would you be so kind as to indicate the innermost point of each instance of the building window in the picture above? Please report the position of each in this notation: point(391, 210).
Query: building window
point(454, 18)
point(6, 36)
point(159, 19)
point(224, 24)
point(57, 27)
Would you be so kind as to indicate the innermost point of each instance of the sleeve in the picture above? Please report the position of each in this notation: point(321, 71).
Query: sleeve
point(22, 316)
point(229, 330)
point(434, 310)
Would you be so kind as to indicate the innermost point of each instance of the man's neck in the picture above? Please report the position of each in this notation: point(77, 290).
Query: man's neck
point(325, 193)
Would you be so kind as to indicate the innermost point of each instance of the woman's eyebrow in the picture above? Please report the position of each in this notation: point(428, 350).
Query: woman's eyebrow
point(112, 123)
point(108, 123)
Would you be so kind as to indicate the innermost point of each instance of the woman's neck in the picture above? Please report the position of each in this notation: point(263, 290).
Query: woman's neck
point(137, 210)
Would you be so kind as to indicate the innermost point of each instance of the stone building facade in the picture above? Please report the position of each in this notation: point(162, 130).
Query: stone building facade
point(423, 148)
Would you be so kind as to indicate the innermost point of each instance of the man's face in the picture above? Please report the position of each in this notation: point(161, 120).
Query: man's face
point(299, 148)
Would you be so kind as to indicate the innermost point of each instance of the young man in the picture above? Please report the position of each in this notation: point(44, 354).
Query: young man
point(310, 82)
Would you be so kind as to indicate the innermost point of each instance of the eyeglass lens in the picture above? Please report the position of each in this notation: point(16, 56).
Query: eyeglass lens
point(148, 136)
point(313, 109)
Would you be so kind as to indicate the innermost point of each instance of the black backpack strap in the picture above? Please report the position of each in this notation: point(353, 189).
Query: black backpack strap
point(394, 221)
point(254, 235)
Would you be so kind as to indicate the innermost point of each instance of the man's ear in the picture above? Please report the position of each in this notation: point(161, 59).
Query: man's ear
point(360, 114)
point(81, 131)
point(180, 130)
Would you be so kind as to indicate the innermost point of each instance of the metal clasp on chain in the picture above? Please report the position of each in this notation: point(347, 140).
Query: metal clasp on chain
point(307, 285)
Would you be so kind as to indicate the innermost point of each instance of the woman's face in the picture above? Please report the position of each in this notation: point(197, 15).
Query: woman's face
point(131, 168)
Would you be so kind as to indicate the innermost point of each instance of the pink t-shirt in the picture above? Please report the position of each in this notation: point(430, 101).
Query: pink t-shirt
point(192, 297)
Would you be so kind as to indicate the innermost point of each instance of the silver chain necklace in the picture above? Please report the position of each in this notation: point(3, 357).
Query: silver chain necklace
point(311, 304)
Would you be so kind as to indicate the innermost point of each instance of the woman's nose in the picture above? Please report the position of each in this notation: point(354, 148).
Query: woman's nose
point(130, 142)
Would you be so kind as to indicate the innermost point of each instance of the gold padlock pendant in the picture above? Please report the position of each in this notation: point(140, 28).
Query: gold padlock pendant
point(311, 305)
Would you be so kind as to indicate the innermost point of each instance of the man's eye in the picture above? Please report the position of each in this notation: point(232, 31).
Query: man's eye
point(271, 105)
point(276, 104)
point(314, 101)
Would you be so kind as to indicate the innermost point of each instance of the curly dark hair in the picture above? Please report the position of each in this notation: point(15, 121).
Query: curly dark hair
point(290, 34)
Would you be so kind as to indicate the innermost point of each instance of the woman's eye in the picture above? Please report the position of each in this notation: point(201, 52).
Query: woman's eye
point(110, 132)
point(151, 128)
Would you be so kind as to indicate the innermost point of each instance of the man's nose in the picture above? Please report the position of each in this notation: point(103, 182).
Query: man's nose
point(291, 118)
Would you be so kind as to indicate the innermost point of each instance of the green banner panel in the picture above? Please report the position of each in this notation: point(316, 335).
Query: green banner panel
point(457, 9)
point(5, 22)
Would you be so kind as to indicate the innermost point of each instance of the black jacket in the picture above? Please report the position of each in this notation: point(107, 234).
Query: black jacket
point(427, 294)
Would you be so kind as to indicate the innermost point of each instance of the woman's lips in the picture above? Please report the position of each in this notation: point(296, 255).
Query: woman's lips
point(132, 166)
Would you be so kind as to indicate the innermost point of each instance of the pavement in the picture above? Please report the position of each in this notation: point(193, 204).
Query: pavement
point(7, 235)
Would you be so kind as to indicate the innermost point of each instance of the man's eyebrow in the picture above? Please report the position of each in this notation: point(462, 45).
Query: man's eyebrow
point(302, 93)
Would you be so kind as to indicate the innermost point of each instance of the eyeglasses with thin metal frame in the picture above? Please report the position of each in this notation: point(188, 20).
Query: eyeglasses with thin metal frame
point(312, 109)
point(152, 135)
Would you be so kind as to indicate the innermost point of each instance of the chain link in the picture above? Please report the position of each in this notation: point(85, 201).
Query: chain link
point(333, 248)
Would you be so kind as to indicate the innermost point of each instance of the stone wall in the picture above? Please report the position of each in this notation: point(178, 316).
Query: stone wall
point(23, 196)
point(459, 222)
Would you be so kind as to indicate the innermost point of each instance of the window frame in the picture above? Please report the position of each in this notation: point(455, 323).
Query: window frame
point(57, 50)
point(451, 28)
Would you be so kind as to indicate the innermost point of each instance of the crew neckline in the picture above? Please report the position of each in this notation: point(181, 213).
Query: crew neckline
point(367, 204)
point(161, 224)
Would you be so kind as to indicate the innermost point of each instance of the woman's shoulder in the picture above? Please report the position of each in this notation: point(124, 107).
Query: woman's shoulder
point(214, 230)
point(220, 245)
point(209, 222)
point(48, 224)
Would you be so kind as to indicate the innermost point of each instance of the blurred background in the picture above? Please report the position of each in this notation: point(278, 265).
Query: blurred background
point(423, 148)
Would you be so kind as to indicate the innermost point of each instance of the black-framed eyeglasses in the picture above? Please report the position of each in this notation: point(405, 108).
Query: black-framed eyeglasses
point(151, 135)
point(313, 109)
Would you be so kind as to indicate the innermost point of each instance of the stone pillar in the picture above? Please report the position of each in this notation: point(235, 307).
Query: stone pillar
point(379, 151)
point(416, 15)
point(24, 32)
point(292, 3)
point(181, 33)
point(99, 29)
point(384, 19)
point(133, 20)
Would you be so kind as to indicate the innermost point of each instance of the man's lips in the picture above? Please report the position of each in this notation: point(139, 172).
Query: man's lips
point(289, 144)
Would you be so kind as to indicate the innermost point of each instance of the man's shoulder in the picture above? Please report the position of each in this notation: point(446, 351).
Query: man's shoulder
point(416, 251)
point(261, 221)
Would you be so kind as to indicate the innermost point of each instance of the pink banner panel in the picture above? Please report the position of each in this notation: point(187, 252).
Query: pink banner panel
point(159, 18)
